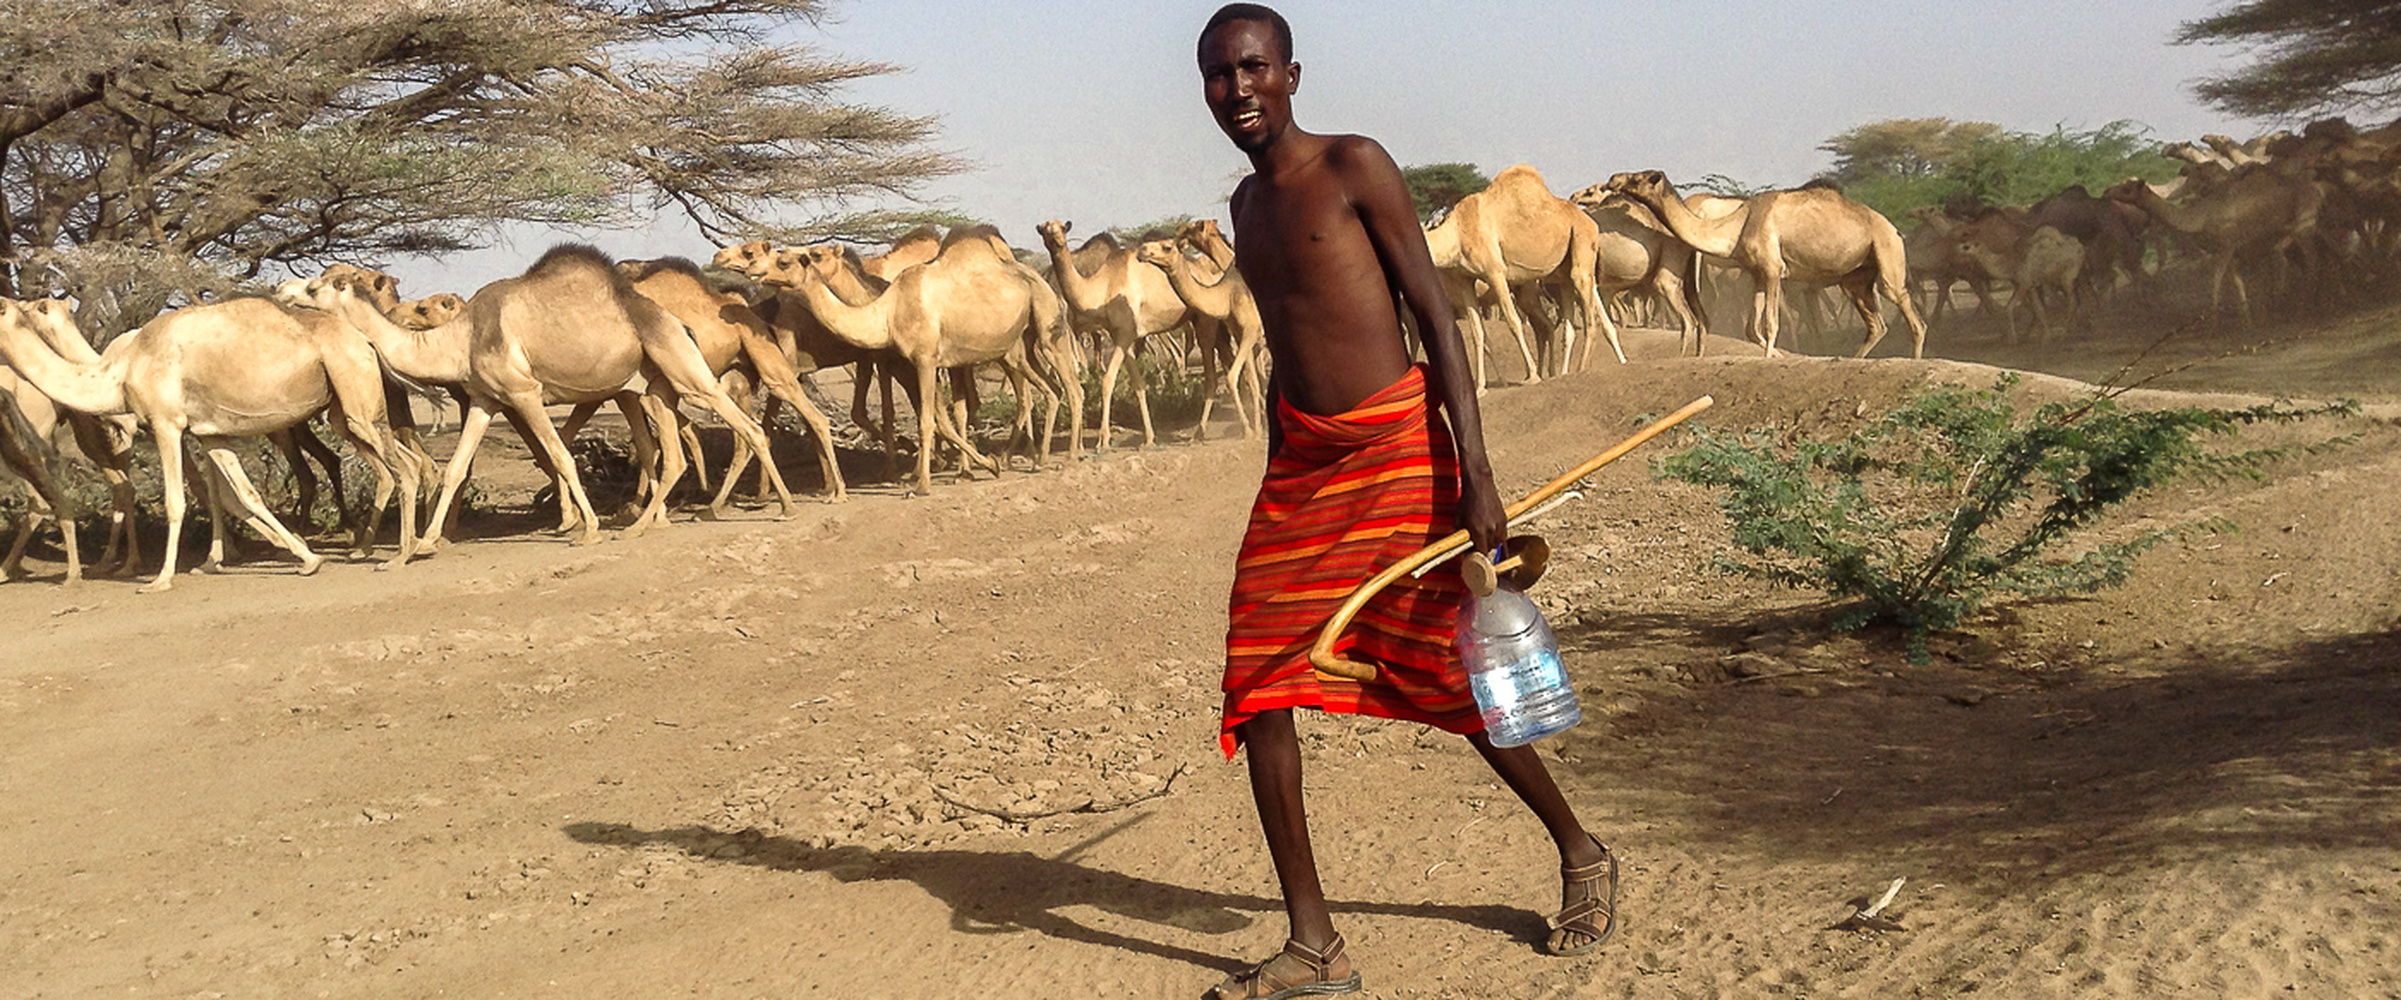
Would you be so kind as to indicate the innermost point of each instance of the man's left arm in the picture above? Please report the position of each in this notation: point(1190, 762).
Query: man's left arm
point(1382, 202)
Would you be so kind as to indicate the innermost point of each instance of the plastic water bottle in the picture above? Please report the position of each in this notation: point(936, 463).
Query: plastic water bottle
point(1512, 662)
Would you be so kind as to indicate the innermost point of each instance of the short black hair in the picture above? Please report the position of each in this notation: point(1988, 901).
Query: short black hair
point(1260, 13)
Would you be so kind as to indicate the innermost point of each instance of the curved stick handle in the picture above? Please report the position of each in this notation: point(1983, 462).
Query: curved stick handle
point(1321, 654)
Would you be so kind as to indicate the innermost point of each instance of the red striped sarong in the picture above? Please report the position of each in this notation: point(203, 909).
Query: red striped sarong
point(1347, 496)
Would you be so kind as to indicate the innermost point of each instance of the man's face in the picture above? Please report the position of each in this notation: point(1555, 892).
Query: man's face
point(1248, 83)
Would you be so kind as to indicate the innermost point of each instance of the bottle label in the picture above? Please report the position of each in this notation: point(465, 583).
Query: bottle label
point(1502, 690)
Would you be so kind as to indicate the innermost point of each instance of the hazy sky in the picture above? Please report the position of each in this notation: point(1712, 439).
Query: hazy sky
point(1091, 111)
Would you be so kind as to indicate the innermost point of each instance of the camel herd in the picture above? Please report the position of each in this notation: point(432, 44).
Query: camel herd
point(581, 330)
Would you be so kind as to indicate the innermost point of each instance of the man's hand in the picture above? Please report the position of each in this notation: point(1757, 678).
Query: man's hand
point(1481, 512)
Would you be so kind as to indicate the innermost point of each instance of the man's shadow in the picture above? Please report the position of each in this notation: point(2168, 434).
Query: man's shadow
point(999, 893)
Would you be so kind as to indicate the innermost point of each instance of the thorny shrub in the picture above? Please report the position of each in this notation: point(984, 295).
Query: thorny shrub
point(1919, 518)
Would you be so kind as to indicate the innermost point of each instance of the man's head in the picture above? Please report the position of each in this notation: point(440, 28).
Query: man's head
point(1247, 74)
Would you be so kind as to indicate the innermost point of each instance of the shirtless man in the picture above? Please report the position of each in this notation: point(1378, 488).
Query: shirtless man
point(1327, 235)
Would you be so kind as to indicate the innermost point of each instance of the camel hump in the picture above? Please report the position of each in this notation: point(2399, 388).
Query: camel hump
point(981, 236)
point(568, 256)
point(1520, 173)
point(921, 234)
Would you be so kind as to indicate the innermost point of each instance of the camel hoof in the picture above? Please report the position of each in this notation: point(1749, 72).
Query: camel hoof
point(155, 587)
point(309, 566)
point(712, 514)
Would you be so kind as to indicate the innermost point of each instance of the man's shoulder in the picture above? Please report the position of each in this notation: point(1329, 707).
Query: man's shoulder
point(1348, 152)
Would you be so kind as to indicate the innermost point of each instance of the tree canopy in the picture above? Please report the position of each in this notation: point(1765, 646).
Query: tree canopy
point(1435, 187)
point(2313, 56)
point(150, 148)
point(1894, 166)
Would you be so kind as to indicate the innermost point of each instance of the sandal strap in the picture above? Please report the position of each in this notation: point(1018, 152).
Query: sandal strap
point(1317, 960)
point(1596, 870)
point(1581, 909)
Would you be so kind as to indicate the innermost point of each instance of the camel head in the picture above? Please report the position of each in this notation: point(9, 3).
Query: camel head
point(2131, 191)
point(429, 312)
point(1200, 233)
point(750, 258)
point(1054, 233)
point(51, 319)
point(375, 286)
point(1642, 185)
point(1162, 253)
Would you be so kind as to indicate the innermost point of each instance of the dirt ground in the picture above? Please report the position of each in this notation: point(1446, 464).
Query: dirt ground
point(762, 758)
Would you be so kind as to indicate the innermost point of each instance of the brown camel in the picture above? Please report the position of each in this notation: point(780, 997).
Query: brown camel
point(2044, 261)
point(1516, 232)
point(1635, 252)
point(1229, 302)
point(728, 331)
point(842, 271)
point(2255, 216)
point(964, 307)
point(1813, 235)
point(224, 371)
point(1120, 298)
point(570, 330)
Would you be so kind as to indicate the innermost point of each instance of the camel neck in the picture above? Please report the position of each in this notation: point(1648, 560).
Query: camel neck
point(438, 355)
point(866, 326)
point(94, 388)
point(1215, 300)
point(1078, 289)
point(1710, 236)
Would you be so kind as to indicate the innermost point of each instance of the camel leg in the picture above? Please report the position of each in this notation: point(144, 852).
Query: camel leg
point(926, 390)
point(1599, 316)
point(372, 439)
point(1142, 402)
point(228, 480)
point(1862, 293)
point(471, 436)
point(1517, 326)
point(169, 439)
point(528, 404)
point(1108, 394)
point(212, 493)
point(1892, 277)
point(115, 467)
point(314, 447)
point(657, 408)
point(36, 508)
point(828, 461)
point(1767, 311)
point(20, 458)
point(671, 350)
point(304, 479)
point(1669, 289)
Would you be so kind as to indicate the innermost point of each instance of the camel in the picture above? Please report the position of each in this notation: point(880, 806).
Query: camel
point(1635, 252)
point(2255, 215)
point(843, 273)
point(964, 307)
point(569, 330)
point(1205, 237)
point(1814, 235)
point(2112, 242)
point(106, 441)
point(2045, 260)
point(224, 371)
point(1227, 300)
point(727, 331)
point(1122, 299)
point(1516, 232)
point(1933, 251)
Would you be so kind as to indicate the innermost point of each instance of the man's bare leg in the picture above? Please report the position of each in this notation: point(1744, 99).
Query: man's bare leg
point(1274, 757)
point(1525, 774)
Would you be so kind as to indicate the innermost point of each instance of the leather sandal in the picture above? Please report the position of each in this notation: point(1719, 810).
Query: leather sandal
point(1577, 918)
point(1262, 982)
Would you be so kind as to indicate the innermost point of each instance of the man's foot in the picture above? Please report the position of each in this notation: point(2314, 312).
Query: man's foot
point(1297, 971)
point(1587, 916)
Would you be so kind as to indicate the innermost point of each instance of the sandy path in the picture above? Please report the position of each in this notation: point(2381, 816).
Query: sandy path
point(724, 759)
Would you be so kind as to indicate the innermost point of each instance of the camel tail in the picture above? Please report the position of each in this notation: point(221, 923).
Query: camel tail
point(1693, 299)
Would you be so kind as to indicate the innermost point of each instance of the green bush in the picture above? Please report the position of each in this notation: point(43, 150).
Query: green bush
point(1921, 517)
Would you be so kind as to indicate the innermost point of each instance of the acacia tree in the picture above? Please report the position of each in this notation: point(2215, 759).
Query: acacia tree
point(2314, 56)
point(151, 149)
point(1435, 187)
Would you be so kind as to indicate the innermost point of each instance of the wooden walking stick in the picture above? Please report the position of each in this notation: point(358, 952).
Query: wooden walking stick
point(1321, 655)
